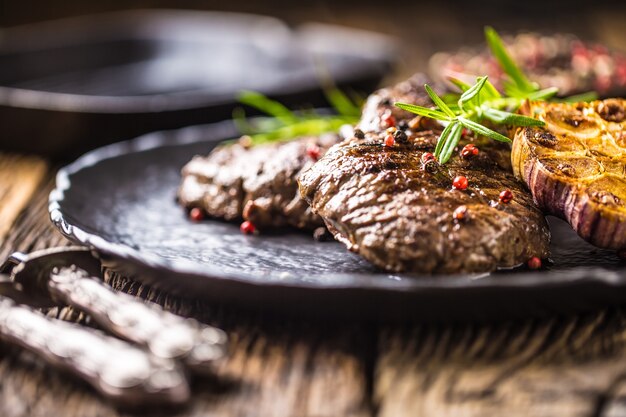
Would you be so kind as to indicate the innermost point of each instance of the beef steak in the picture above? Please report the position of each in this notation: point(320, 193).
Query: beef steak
point(403, 215)
point(254, 183)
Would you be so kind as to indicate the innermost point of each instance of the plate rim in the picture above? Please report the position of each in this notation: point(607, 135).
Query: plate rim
point(387, 282)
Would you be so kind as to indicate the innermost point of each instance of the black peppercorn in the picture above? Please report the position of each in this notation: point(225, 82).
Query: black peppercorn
point(358, 133)
point(430, 166)
point(400, 136)
point(321, 234)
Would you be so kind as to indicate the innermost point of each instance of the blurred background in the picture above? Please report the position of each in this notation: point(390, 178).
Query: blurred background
point(77, 83)
point(423, 26)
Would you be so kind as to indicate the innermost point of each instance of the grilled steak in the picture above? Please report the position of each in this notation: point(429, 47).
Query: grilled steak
point(254, 183)
point(575, 166)
point(380, 106)
point(403, 215)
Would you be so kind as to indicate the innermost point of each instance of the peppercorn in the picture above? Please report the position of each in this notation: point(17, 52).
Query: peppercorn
point(534, 263)
point(400, 136)
point(245, 141)
point(427, 157)
point(196, 214)
point(430, 166)
point(460, 213)
point(403, 125)
point(321, 234)
point(358, 133)
point(389, 141)
point(388, 120)
point(469, 150)
point(506, 196)
point(247, 227)
point(313, 151)
point(460, 182)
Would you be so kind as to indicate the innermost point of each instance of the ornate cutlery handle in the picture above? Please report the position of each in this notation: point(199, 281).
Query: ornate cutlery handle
point(120, 371)
point(165, 334)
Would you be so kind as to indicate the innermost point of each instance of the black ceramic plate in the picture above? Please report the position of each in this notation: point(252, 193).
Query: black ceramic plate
point(120, 200)
point(79, 83)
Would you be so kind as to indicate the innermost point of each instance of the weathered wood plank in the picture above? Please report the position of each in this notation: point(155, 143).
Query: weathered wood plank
point(614, 403)
point(281, 366)
point(32, 229)
point(19, 178)
point(564, 367)
point(276, 366)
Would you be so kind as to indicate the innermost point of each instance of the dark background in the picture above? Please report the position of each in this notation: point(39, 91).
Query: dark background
point(423, 26)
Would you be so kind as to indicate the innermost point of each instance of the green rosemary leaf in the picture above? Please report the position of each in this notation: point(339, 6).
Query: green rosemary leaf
point(490, 92)
point(506, 62)
point(451, 100)
point(505, 117)
point(304, 127)
point(424, 111)
point(544, 94)
point(483, 101)
point(482, 130)
point(452, 142)
point(472, 92)
point(342, 103)
point(240, 121)
point(577, 98)
point(283, 124)
point(512, 90)
point(443, 138)
point(438, 101)
point(460, 84)
point(267, 105)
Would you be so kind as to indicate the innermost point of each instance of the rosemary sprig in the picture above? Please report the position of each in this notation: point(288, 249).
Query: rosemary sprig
point(483, 102)
point(518, 85)
point(284, 124)
point(477, 103)
point(521, 83)
point(577, 98)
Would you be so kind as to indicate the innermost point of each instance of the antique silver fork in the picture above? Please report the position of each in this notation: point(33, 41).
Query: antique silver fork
point(149, 369)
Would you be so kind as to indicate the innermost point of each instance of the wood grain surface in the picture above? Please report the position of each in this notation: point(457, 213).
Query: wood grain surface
point(275, 367)
point(281, 366)
point(19, 177)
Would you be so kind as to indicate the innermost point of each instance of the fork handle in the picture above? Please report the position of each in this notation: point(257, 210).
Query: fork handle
point(125, 374)
point(165, 334)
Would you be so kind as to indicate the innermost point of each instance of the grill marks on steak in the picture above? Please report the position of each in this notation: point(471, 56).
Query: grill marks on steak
point(258, 184)
point(383, 205)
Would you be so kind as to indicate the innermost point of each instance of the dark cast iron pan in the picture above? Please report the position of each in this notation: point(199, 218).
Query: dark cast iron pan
point(72, 85)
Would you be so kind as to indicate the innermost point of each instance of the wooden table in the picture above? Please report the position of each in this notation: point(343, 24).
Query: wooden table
point(281, 366)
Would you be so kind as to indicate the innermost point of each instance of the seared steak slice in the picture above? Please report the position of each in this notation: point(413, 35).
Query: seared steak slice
point(575, 166)
point(254, 183)
point(380, 105)
point(398, 213)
